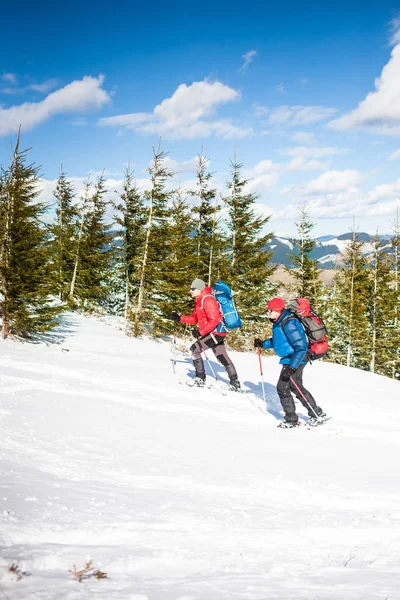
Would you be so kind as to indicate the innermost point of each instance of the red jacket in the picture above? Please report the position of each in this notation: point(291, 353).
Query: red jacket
point(207, 313)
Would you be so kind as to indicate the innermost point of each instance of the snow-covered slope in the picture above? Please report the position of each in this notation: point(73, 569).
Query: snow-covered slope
point(182, 494)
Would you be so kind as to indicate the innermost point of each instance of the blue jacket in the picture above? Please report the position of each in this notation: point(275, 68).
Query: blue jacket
point(289, 342)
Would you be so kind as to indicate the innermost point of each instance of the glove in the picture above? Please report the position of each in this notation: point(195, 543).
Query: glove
point(196, 333)
point(258, 343)
point(175, 316)
point(286, 373)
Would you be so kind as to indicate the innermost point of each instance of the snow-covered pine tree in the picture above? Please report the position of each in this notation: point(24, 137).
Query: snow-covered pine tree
point(305, 271)
point(205, 220)
point(381, 308)
point(95, 250)
point(248, 270)
point(24, 257)
point(349, 332)
point(63, 236)
point(147, 315)
point(130, 219)
point(180, 263)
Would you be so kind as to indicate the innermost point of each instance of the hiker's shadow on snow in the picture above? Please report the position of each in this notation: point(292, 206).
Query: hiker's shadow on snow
point(273, 404)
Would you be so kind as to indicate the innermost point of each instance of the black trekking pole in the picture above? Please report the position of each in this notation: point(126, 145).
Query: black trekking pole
point(303, 396)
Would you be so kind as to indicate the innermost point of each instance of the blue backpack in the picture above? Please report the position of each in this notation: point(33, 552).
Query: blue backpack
point(222, 292)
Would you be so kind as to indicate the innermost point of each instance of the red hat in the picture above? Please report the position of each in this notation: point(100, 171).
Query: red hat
point(276, 304)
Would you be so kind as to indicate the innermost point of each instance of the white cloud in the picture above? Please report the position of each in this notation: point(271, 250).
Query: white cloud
point(260, 110)
point(299, 115)
point(78, 96)
point(280, 88)
point(262, 184)
point(9, 77)
point(395, 155)
point(300, 163)
point(43, 88)
point(328, 182)
point(304, 115)
point(313, 151)
point(303, 137)
point(182, 116)
point(248, 58)
point(187, 166)
point(379, 112)
point(81, 122)
point(264, 166)
point(343, 198)
point(395, 29)
point(262, 177)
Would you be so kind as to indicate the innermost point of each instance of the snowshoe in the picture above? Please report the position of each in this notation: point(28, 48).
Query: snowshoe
point(197, 382)
point(234, 385)
point(288, 424)
point(315, 421)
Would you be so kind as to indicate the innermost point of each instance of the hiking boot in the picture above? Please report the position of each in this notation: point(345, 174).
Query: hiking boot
point(199, 381)
point(235, 385)
point(288, 424)
point(312, 420)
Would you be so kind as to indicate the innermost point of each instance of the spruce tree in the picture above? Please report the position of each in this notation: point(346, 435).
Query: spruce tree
point(95, 250)
point(350, 339)
point(131, 220)
point(180, 263)
point(205, 214)
point(305, 271)
point(63, 236)
point(381, 308)
point(83, 212)
point(147, 314)
point(24, 260)
point(248, 270)
point(394, 319)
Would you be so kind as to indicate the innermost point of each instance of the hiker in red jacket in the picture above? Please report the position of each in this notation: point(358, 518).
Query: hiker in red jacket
point(210, 334)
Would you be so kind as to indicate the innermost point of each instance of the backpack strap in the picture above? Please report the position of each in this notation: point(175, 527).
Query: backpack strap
point(203, 298)
point(292, 316)
point(286, 319)
point(220, 310)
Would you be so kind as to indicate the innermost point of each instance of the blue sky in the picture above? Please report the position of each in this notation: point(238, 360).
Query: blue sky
point(308, 94)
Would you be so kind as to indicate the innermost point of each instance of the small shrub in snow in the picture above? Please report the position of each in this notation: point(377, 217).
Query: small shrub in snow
point(15, 570)
point(87, 572)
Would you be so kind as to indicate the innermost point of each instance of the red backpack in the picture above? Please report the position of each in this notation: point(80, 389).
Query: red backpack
point(313, 325)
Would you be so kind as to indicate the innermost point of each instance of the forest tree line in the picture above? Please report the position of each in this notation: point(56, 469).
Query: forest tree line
point(140, 263)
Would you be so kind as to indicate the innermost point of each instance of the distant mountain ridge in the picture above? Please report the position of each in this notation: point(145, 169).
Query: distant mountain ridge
point(327, 251)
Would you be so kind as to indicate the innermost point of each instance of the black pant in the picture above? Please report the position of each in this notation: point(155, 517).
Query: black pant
point(295, 386)
point(217, 345)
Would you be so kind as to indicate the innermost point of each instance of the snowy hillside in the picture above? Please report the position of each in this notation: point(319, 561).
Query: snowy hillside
point(182, 494)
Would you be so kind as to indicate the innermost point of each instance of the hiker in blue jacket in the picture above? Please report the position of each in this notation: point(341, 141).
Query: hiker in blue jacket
point(289, 341)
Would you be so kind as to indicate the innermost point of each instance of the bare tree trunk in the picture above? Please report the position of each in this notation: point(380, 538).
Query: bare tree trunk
point(60, 224)
point(350, 334)
point(85, 201)
point(144, 265)
point(374, 301)
point(396, 243)
point(200, 176)
point(212, 244)
point(6, 245)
